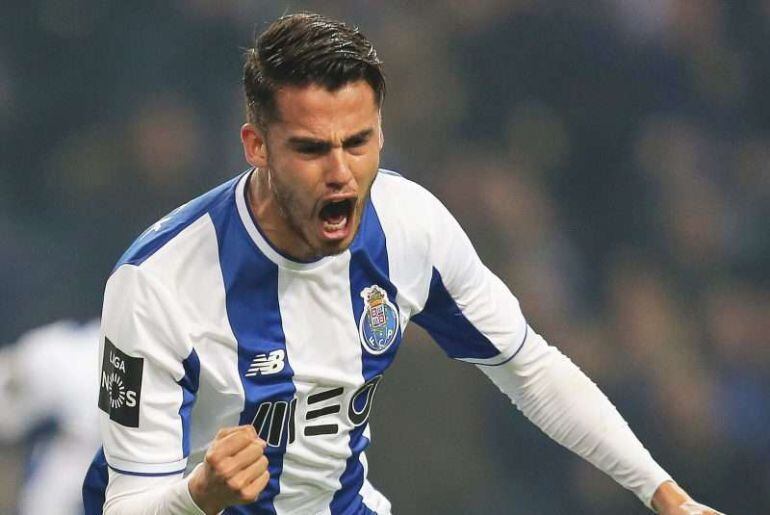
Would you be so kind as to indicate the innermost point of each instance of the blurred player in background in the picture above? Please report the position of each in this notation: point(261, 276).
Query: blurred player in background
point(47, 381)
point(245, 334)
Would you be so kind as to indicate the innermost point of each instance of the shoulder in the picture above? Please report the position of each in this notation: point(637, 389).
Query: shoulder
point(400, 200)
point(395, 196)
point(169, 228)
point(393, 187)
point(175, 258)
point(414, 222)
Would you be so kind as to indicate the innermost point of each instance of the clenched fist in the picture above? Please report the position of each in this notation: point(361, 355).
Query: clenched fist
point(234, 470)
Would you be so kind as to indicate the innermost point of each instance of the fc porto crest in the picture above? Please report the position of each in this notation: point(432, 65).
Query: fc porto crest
point(379, 323)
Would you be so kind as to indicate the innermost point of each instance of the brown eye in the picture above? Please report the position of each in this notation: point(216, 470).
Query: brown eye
point(355, 142)
point(358, 140)
point(311, 149)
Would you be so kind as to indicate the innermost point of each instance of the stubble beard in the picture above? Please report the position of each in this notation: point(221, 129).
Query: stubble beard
point(288, 209)
point(291, 212)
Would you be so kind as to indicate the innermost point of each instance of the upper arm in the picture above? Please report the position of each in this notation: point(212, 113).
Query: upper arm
point(468, 310)
point(144, 394)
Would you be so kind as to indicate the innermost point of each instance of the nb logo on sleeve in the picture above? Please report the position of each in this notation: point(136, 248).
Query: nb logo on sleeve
point(266, 364)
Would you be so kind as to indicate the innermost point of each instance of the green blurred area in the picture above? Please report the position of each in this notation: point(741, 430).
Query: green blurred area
point(610, 159)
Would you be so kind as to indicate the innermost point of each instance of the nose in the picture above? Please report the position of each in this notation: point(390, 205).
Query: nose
point(338, 173)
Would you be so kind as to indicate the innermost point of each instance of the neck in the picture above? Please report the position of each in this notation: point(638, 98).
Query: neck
point(272, 220)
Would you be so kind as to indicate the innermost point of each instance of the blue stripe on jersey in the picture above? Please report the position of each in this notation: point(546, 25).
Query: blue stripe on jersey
point(95, 484)
point(164, 230)
point(189, 384)
point(515, 353)
point(251, 286)
point(146, 474)
point(368, 266)
point(445, 322)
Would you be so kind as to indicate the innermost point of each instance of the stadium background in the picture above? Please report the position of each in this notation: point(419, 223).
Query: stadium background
point(609, 158)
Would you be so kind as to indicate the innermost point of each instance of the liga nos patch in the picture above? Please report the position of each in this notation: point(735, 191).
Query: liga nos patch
point(121, 385)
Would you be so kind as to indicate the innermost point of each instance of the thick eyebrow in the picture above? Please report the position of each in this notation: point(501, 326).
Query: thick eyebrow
point(358, 138)
point(322, 146)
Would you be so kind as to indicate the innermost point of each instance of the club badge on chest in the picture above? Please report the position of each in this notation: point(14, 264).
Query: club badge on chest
point(379, 324)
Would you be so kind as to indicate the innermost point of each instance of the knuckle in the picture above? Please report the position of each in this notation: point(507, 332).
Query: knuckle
point(253, 491)
point(213, 459)
point(246, 496)
point(221, 467)
point(235, 485)
point(249, 492)
point(257, 447)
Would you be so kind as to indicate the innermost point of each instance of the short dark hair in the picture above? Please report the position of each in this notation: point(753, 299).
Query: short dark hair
point(302, 49)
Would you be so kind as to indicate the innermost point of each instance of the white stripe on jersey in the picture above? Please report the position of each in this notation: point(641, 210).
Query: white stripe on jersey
point(201, 291)
point(324, 352)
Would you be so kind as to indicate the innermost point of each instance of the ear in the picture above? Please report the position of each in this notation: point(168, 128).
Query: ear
point(379, 129)
point(254, 145)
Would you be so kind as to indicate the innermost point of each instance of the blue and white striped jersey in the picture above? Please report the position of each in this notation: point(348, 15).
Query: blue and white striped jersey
point(206, 325)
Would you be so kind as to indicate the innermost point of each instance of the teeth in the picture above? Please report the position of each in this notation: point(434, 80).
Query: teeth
point(334, 227)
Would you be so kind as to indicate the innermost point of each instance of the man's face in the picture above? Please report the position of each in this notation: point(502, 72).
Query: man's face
point(320, 158)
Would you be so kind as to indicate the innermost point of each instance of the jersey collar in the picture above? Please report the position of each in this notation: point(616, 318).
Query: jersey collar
point(259, 239)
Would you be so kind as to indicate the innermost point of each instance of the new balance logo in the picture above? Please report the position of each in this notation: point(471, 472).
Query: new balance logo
point(266, 364)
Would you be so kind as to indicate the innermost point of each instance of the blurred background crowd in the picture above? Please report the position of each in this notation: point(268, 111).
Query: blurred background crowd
point(610, 159)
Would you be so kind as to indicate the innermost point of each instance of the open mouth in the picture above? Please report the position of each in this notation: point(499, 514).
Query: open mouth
point(335, 217)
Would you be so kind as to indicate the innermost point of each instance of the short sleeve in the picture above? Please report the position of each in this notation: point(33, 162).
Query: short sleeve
point(469, 311)
point(148, 376)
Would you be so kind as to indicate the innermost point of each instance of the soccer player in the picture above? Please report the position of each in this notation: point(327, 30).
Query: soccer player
point(47, 399)
point(245, 334)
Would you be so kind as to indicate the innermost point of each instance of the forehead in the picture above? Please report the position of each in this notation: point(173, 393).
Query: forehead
point(316, 110)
